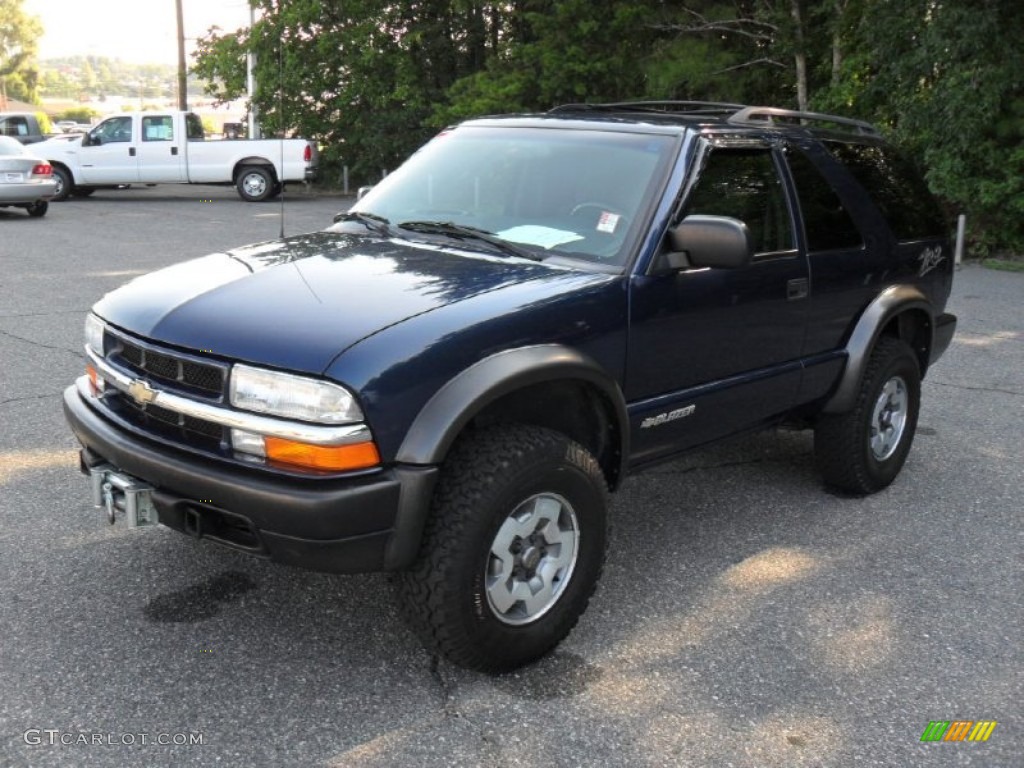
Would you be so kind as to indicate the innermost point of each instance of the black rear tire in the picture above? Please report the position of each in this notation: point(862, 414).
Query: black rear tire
point(38, 209)
point(519, 510)
point(862, 451)
point(254, 183)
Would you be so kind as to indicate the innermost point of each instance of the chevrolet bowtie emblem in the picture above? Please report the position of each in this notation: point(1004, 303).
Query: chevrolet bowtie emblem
point(141, 392)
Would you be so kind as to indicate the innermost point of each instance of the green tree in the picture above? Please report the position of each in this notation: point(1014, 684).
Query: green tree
point(947, 81)
point(371, 79)
point(19, 35)
point(549, 52)
point(78, 114)
point(362, 76)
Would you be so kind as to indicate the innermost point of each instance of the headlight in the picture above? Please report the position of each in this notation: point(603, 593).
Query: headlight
point(94, 329)
point(294, 397)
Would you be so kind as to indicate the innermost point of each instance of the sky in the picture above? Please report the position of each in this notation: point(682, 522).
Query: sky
point(142, 31)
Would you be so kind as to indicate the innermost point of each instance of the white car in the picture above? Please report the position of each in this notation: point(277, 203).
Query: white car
point(26, 181)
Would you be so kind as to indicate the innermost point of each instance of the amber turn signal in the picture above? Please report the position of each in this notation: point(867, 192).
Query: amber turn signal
point(330, 457)
point(94, 379)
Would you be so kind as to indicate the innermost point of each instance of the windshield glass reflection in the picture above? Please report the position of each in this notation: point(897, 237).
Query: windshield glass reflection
point(577, 193)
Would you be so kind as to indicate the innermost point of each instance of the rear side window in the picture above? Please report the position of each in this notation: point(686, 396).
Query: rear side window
point(15, 126)
point(194, 127)
point(897, 189)
point(826, 221)
point(158, 128)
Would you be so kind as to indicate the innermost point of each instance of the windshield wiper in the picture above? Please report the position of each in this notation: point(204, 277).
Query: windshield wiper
point(371, 221)
point(465, 232)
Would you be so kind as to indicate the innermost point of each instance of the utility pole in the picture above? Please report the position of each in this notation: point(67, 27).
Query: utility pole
point(182, 72)
point(254, 131)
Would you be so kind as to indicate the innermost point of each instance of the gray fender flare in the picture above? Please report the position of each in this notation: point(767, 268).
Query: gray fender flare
point(444, 416)
point(891, 302)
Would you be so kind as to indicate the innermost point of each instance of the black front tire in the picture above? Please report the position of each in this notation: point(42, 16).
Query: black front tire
point(517, 509)
point(37, 209)
point(65, 183)
point(862, 451)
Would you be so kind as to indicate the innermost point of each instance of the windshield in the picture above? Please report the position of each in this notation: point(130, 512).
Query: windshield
point(575, 193)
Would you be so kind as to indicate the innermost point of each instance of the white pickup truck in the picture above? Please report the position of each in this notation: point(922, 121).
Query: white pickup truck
point(171, 148)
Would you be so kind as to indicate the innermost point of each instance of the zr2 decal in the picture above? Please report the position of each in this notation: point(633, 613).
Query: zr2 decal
point(930, 259)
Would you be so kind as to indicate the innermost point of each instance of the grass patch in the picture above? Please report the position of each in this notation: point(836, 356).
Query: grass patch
point(1006, 265)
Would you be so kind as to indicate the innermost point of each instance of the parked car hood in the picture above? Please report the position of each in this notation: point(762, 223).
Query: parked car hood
point(298, 303)
point(59, 144)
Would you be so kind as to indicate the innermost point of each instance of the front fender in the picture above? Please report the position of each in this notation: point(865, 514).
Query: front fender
point(440, 421)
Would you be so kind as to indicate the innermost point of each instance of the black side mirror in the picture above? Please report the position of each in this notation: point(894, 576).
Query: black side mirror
point(92, 140)
point(719, 242)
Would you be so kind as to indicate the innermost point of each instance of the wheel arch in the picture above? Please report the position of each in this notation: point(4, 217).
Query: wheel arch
point(901, 311)
point(547, 385)
point(253, 160)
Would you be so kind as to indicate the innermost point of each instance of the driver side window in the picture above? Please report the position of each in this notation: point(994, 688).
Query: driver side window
point(113, 130)
point(744, 184)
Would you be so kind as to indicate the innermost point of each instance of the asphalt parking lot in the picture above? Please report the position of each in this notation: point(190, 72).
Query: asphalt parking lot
point(746, 616)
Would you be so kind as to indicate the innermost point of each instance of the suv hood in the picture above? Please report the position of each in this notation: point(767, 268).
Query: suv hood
point(298, 303)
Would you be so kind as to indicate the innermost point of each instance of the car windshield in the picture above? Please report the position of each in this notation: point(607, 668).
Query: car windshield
point(553, 192)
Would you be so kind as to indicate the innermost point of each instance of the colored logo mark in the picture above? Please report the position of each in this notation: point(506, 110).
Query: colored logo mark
point(958, 730)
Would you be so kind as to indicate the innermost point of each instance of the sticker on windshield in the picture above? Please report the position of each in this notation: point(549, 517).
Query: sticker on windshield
point(608, 222)
point(543, 237)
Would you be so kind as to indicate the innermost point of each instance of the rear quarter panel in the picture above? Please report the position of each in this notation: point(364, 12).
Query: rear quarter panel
point(215, 161)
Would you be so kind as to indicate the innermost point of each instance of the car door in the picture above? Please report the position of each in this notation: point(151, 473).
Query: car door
point(159, 151)
point(717, 350)
point(107, 154)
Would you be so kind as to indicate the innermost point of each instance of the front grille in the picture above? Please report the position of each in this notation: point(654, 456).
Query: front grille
point(203, 378)
point(165, 369)
point(178, 426)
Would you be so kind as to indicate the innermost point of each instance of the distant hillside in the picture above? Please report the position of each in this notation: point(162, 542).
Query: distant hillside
point(96, 78)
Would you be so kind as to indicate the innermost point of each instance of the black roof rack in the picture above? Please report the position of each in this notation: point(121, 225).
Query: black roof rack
point(659, 107)
point(735, 114)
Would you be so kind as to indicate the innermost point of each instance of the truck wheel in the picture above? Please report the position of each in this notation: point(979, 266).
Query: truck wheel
point(64, 183)
point(254, 183)
point(37, 209)
point(863, 450)
point(512, 551)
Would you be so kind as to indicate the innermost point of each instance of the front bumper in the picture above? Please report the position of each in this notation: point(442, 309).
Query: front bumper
point(344, 525)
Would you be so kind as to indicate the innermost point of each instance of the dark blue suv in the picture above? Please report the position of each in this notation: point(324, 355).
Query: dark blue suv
point(447, 382)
